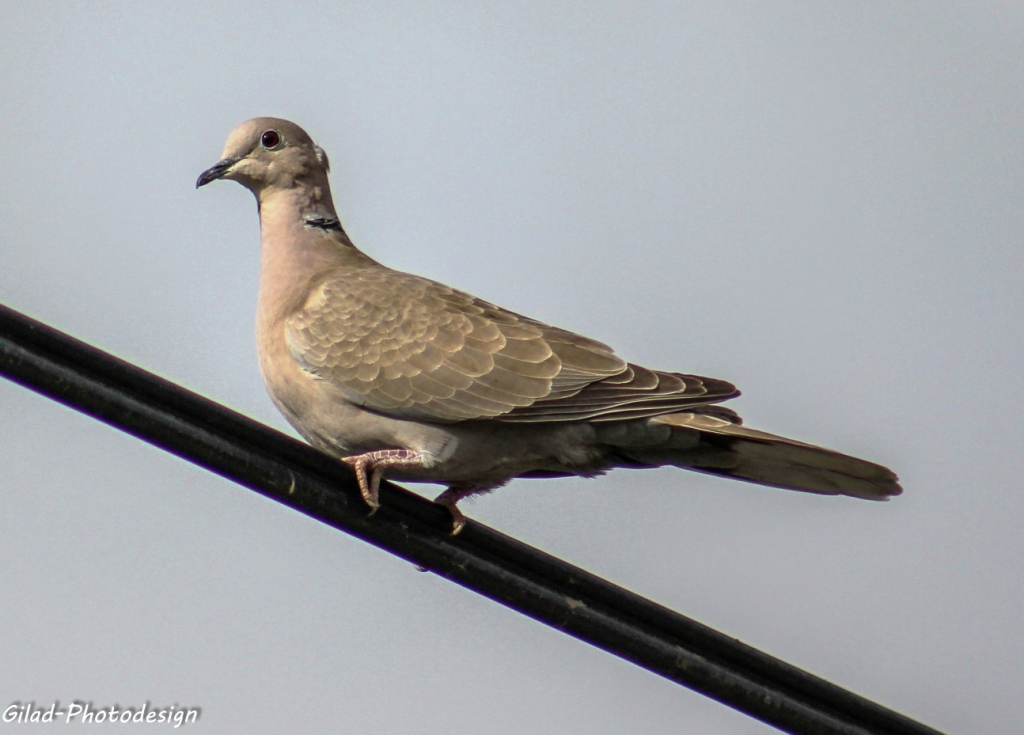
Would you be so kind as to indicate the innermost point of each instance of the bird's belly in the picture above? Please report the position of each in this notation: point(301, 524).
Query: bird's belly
point(469, 453)
point(488, 453)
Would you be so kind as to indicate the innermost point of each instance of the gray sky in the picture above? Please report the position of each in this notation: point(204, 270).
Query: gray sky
point(822, 204)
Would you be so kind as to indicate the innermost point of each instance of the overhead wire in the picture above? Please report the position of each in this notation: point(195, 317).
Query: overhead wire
point(501, 568)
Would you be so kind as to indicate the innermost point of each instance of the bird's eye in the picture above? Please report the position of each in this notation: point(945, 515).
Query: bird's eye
point(270, 139)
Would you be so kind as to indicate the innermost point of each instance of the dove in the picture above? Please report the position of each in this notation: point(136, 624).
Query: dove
point(398, 375)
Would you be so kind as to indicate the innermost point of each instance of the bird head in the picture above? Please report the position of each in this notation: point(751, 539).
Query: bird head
point(268, 152)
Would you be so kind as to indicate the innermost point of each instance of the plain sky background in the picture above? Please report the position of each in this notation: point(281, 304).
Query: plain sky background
point(823, 203)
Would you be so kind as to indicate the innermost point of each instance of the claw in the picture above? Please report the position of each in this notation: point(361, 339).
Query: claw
point(458, 520)
point(374, 489)
point(449, 499)
point(369, 488)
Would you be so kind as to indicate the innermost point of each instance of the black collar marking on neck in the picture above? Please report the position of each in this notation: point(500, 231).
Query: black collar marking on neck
point(323, 223)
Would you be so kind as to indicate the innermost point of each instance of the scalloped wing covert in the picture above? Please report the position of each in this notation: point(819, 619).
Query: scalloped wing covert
point(409, 347)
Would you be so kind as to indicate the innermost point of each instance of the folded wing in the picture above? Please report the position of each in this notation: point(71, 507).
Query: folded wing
point(409, 347)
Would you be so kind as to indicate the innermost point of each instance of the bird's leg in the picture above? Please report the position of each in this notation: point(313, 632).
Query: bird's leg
point(450, 498)
point(374, 464)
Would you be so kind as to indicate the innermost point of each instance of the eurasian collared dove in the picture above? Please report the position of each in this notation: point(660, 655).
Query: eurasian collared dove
point(397, 374)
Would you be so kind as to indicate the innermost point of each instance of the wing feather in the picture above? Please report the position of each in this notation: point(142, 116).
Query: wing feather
point(409, 347)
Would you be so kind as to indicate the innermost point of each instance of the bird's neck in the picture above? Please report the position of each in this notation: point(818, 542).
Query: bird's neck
point(294, 253)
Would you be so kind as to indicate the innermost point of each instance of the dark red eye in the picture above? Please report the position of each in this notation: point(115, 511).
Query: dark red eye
point(270, 139)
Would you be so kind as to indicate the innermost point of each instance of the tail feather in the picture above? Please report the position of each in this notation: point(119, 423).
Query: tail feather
point(717, 445)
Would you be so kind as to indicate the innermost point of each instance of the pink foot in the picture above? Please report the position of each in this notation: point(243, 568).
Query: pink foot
point(374, 464)
point(450, 498)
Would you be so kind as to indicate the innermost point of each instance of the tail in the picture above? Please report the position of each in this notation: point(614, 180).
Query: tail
point(715, 442)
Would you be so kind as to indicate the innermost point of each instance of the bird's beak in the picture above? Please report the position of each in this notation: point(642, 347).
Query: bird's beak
point(216, 172)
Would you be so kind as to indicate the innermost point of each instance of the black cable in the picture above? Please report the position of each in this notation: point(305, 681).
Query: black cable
point(481, 559)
